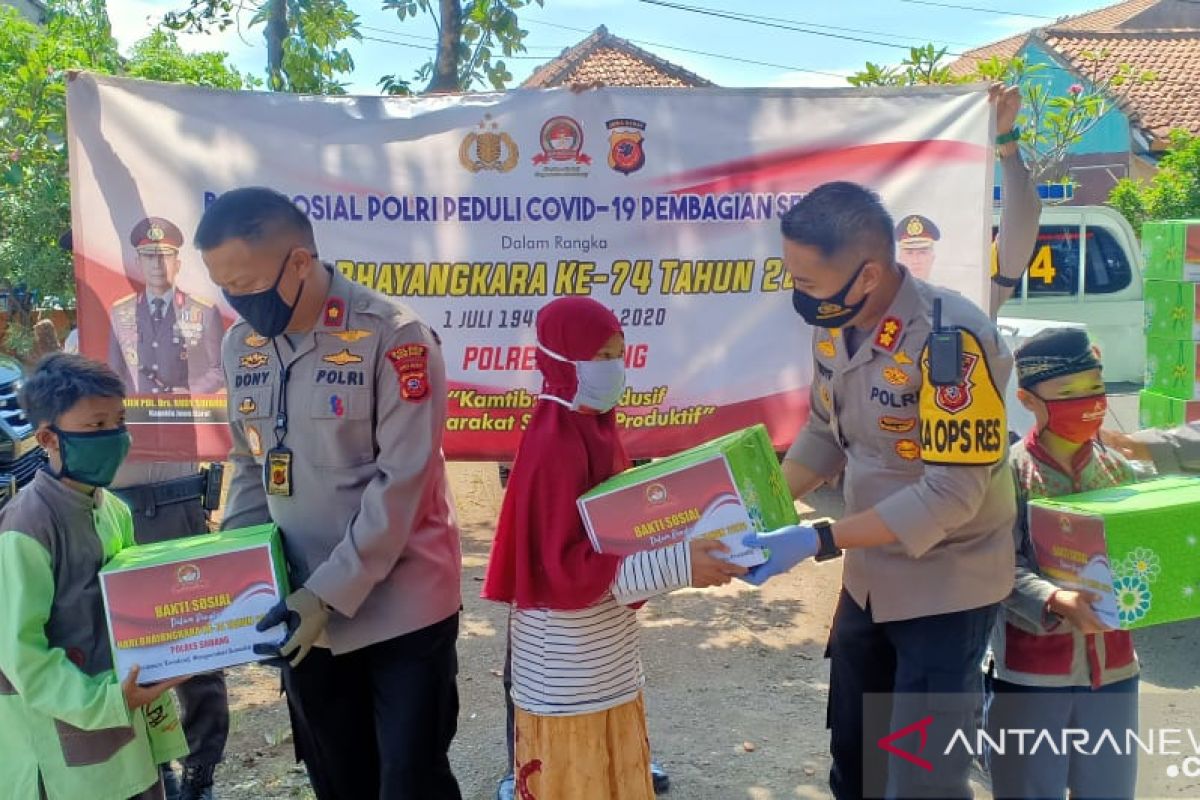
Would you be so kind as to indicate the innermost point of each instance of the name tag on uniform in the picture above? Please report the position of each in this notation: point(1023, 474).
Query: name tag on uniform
point(278, 466)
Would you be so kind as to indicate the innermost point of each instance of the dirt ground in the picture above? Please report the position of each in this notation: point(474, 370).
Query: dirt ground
point(736, 682)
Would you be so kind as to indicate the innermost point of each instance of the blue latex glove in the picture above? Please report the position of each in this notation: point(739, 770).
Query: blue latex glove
point(787, 547)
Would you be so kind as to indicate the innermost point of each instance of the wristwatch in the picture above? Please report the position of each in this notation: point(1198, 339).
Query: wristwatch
point(828, 549)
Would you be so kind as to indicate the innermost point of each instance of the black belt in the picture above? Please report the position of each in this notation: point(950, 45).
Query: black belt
point(147, 498)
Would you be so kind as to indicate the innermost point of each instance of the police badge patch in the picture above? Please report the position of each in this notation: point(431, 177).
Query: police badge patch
point(625, 151)
point(411, 362)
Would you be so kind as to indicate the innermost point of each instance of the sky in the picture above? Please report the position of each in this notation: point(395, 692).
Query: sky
point(820, 55)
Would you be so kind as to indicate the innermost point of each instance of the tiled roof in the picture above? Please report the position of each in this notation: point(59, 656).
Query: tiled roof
point(1158, 36)
point(1107, 18)
point(1005, 48)
point(1171, 100)
point(609, 60)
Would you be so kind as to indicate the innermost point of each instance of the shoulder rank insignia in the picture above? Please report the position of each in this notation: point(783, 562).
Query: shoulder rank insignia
point(254, 360)
point(351, 336)
point(888, 335)
point(254, 340)
point(335, 312)
point(342, 358)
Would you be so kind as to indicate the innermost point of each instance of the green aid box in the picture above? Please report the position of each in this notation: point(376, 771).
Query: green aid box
point(723, 489)
point(1172, 310)
point(1172, 368)
point(1171, 250)
point(1137, 546)
point(1160, 411)
point(190, 605)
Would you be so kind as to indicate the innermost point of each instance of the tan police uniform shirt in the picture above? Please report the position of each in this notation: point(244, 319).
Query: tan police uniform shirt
point(369, 525)
point(930, 462)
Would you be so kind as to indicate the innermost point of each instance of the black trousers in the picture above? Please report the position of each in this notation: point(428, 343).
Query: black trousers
point(378, 722)
point(204, 698)
point(925, 670)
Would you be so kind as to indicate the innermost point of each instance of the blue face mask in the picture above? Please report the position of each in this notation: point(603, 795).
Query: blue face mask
point(266, 311)
point(600, 383)
point(92, 458)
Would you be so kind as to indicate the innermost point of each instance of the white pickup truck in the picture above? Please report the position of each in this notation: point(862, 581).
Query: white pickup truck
point(1086, 270)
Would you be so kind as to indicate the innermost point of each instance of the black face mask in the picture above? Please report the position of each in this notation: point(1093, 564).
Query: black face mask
point(832, 311)
point(266, 311)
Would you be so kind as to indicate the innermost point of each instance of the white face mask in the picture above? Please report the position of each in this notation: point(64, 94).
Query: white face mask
point(600, 383)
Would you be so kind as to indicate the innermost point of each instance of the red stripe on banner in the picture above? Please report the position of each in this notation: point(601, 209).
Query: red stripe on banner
point(804, 169)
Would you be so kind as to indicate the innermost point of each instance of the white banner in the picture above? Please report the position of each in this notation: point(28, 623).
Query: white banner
point(477, 210)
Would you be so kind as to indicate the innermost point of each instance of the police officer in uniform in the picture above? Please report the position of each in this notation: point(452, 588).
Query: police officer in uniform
point(915, 418)
point(164, 340)
point(337, 402)
point(916, 236)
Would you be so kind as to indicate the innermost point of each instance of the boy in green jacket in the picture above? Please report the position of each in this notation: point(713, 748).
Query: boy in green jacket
point(68, 728)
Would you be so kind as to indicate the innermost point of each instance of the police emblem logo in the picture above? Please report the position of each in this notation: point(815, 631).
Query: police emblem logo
point(187, 574)
point(351, 336)
point(562, 153)
point(247, 406)
point(914, 227)
point(489, 148)
point(828, 310)
point(625, 152)
point(254, 340)
point(953, 399)
point(253, 360)
point(414, 386)
point(155, 233)
point(342, 358)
